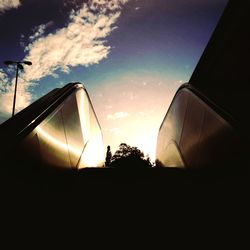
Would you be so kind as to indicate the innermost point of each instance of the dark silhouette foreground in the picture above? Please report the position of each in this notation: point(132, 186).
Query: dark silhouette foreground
point(108, 157)
point(129, 157)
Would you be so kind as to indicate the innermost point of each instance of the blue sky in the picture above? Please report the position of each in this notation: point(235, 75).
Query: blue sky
point(131, 55)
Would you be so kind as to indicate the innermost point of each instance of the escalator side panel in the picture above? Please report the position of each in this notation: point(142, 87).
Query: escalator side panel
point(53, 143)
point(207, 140)
point(93, 154)
point(168, 152)
point(69, 131)
point(72, 127)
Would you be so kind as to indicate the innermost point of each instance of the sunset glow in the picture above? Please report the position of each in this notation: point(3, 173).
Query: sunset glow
point(131, 56)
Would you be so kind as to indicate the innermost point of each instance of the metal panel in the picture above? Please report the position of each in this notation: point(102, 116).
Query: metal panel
point(53, 144)
point(73, 131)
point(192, 130)
point(207, 140)
point(93, 155)
point(65, 133)
point(171, 127)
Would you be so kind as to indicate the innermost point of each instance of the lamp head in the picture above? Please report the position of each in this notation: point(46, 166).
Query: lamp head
point(8, 62)
point(27, 62)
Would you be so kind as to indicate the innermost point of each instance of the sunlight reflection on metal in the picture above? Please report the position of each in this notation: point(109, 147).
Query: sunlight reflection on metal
point(56, 142)
point(71, 136)
point(91, 156)
point(83, 107)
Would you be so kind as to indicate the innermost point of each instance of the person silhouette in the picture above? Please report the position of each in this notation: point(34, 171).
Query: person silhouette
point(108, 156)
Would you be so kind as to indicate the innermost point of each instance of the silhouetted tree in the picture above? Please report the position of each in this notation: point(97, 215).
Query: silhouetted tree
point(129, 157)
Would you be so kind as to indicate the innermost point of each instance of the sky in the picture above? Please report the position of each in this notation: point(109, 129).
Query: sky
point(131, 55)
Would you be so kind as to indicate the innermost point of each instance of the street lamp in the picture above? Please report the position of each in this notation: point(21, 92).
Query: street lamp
point(18, 66)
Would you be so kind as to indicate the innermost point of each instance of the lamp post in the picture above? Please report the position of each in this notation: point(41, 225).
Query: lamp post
point(18, 66)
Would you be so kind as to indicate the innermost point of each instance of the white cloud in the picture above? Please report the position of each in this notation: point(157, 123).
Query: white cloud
point(109, 4)
point(7, 94)
point(108, 106)
point(117, 115)
point(3, 80)
point(115, 131)
point(8, 4)
point(82, 42)
point(130, 95)
point(39, 30)
point(100, 95)
point(143, 114)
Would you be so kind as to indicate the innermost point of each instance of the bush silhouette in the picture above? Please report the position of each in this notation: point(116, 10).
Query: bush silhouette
point(129, 157)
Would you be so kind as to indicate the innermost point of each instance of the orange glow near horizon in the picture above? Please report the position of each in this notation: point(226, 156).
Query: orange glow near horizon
point(132, 111)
